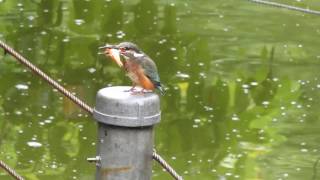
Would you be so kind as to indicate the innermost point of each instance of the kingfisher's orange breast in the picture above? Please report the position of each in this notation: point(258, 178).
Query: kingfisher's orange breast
point(145, 82)
point(137, 75)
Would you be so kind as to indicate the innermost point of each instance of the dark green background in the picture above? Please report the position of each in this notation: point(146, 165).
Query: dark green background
point(243, 85)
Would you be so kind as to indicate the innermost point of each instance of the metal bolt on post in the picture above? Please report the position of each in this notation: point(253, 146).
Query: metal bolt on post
point(125, 134)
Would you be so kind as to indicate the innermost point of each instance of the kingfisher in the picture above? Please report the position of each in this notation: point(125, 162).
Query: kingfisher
point(139, 67)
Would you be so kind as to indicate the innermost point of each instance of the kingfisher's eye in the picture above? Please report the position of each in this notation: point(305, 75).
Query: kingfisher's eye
point(124, 48)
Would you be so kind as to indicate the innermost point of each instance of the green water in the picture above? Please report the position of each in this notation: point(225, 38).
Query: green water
point(243, 85)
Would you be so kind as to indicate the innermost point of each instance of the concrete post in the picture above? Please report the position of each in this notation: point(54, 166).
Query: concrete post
point(125, 134)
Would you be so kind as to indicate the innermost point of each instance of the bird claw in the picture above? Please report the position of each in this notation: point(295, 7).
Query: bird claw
point(142, 92)
point(138, 92)
point(134, 92)
point(130, 90)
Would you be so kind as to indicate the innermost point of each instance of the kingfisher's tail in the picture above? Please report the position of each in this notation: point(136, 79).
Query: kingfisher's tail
point(160, 88)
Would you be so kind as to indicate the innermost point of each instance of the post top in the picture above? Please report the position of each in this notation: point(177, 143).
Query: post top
point(116, 106)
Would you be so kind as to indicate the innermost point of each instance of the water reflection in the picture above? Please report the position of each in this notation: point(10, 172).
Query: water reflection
point(239, 103)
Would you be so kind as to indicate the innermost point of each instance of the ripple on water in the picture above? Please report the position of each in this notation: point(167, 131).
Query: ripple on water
point(22, 87)
point(182, 75)
point(79, 22)
point(34, 144)
point(92, 70)
point(120, 34)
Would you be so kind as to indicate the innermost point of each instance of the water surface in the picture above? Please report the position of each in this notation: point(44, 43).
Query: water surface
point(243, 85)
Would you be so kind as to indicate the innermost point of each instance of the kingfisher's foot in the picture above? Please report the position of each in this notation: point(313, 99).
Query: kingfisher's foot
point(142, 92)
point(137, 92)
point(131, 89)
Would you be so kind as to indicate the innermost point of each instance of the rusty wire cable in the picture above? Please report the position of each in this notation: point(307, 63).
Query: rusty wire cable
point(12, 172)
point(169, 169)
point(279, 5)
point(76, 100)
point(40, 73)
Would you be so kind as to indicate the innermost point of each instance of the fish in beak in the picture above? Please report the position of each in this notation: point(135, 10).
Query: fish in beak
point(115, 55)
point(113, 52)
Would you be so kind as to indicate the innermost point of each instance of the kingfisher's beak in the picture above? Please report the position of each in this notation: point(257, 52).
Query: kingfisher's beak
point(113, 52)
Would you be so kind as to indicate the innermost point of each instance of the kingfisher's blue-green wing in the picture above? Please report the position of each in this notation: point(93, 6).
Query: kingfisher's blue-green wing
point(150, 69)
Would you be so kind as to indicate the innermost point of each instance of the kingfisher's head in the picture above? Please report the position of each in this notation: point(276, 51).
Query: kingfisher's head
point(127, 49)
point(128, 46)
point(130, 51)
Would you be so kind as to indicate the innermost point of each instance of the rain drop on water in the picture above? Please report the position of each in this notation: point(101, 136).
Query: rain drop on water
point(22, 86)
point(34, 144)
point(79, 22)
